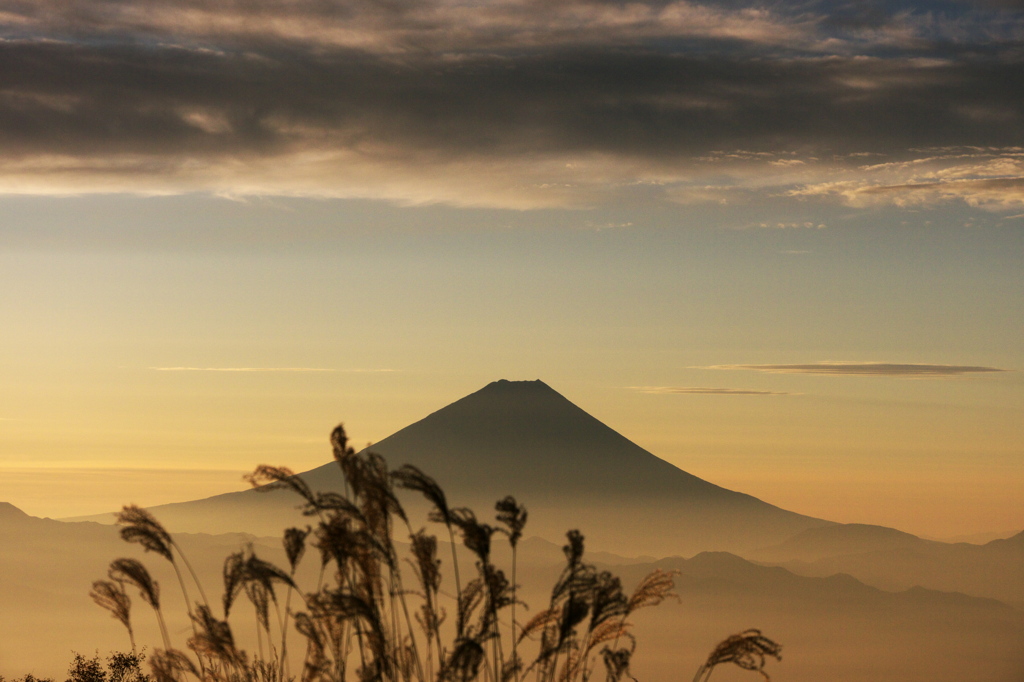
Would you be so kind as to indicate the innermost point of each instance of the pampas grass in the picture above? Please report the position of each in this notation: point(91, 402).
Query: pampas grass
point(749, 650)
point(375, 615)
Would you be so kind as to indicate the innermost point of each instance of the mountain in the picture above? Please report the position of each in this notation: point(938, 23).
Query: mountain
point(571, 471)
point(976, 538)
point(47, 570)
point(833, 628)
point(837, 540)
point(893, 560)
point(9, 512)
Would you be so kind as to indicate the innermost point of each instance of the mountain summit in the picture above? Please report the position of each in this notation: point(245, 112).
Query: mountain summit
point(525, 439)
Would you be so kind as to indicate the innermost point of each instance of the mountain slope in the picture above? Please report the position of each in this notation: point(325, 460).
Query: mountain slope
point(47, 570)
point(525, 439)
point(834, 628)
point(837, 540)
point(893, 560)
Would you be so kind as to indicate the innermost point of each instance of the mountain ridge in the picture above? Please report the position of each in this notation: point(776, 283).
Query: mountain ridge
point(916, 635)
point(893, 560)
point(9, 511)
point(568, 468)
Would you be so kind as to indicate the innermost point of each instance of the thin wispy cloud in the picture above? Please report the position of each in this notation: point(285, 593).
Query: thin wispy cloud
point(269, 369)
point(879, 369)
point(702, 390)
point(806, 225)
point(991, 178)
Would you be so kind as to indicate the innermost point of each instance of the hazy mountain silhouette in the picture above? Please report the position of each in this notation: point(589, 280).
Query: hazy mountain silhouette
point(47, 570)
point(894, 560)
point(9, 512)
point(525, 439)
point(833, 628)
point(838, 539)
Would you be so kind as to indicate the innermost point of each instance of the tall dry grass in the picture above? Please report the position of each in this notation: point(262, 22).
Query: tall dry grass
point(377, 616)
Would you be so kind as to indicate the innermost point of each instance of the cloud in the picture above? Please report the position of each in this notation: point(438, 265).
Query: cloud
point(267, 369)
point(998, 192)
point(991, 178)
point(806, 225)
point(395, 28)
point(884, 369)
point(513, 103)
point(699, 390)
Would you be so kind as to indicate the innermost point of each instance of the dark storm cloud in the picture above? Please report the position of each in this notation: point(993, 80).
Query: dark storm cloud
point(158, 99)
point(560, 100)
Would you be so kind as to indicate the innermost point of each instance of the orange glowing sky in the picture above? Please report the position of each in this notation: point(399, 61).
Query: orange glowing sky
point(781, 249)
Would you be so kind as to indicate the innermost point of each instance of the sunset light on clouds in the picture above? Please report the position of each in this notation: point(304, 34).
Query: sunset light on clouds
point(227, 226)
point(710, 305)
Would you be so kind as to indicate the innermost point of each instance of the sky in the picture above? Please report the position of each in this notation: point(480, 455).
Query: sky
point(778, 244)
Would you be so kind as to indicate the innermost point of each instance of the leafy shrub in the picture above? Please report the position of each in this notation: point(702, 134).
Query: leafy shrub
point(119, 667)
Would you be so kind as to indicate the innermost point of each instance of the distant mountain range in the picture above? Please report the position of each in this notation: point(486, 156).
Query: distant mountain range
point(571, 471)
point(893, 560)
point(833, 628)
point(812, 583)
point(47, 569)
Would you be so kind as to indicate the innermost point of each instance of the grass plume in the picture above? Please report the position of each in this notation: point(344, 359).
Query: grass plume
point(362, 623)
point(748, 649)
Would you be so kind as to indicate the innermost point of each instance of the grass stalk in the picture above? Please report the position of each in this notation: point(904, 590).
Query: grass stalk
point(364, 605)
